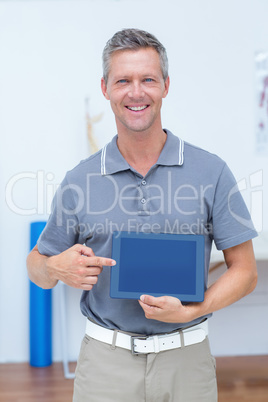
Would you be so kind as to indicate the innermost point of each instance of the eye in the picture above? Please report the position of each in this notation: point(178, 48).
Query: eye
point(123, 81)
point(148, 80)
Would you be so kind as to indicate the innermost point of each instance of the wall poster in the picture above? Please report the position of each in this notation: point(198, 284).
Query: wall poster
point(261, 136)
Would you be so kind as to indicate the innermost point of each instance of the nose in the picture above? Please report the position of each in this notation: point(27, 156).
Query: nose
point(136, 91)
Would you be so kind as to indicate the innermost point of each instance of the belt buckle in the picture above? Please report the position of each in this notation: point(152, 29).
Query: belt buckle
point(133, 338)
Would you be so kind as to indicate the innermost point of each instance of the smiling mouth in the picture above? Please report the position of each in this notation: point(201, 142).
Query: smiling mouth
point(137, 108)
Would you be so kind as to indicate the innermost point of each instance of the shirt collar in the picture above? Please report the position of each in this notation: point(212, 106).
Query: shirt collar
point(173, 152)
point(112, 160)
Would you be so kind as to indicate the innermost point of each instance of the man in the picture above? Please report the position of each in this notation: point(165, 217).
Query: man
point(144, 178)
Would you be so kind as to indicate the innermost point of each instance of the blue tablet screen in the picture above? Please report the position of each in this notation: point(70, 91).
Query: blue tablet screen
point(158, 264)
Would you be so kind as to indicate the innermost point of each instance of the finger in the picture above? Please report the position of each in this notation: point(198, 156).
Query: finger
point(149, 311)
point(88, 252)
point(84, 250)
point(92, 279)
point(151, 300)
point(146, 307)
point(99, 261)
point(88, 282)
point(92, 271)
point(85, 286)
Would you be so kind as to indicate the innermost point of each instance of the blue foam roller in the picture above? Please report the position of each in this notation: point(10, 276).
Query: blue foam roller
point(40, 314)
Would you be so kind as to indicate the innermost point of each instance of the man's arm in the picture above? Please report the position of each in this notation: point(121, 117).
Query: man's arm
point(77, 267)
point(239, 280)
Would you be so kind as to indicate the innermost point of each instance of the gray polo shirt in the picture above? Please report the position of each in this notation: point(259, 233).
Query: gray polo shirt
point(188, 191)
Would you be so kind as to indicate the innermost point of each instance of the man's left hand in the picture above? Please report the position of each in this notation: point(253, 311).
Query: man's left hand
point(165, 309)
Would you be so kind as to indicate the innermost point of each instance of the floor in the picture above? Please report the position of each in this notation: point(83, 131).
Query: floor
point(240, 379)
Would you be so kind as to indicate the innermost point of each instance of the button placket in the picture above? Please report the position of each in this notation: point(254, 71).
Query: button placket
point(143, 201)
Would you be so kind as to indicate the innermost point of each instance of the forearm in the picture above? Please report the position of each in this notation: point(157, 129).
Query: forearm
point(38, 271)
point(233, 285)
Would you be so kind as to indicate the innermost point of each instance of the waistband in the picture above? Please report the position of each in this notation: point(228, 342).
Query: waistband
point(148, 344)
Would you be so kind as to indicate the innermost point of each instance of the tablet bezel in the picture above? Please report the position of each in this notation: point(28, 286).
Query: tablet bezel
point(198, 296)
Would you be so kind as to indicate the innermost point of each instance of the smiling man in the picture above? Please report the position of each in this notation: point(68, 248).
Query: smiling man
point(146, 178)
point(136, 95)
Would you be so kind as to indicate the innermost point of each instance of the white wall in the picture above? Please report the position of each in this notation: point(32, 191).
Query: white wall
point(50, 61)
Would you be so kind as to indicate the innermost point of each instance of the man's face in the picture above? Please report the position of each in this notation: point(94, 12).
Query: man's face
point(135, 89)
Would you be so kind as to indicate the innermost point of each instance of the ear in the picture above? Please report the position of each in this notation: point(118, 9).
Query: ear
point(104, 89)
point(167, 82)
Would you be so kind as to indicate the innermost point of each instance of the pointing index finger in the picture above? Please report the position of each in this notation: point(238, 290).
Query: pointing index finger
point(101, 261)
point(110, 261)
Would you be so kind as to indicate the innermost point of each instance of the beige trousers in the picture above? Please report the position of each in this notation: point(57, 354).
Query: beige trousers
point(107, 374)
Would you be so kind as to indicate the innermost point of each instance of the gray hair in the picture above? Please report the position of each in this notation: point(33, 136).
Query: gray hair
point(133, 39)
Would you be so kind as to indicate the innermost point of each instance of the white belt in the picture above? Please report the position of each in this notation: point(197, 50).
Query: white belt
point(149, 344)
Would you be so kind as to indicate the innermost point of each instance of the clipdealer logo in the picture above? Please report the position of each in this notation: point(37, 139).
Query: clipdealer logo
point(254, 185)
point(43, 187)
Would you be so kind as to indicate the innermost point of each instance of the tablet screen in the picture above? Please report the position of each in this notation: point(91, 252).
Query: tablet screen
point(158, 264)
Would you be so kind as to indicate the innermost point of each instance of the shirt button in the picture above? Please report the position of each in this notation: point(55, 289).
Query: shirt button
point(143, 200)
point(143, 182)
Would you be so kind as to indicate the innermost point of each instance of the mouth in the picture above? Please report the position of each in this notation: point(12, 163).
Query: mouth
point(137, 108)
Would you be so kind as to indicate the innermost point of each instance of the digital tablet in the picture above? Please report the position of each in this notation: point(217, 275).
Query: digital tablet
point(158, 265)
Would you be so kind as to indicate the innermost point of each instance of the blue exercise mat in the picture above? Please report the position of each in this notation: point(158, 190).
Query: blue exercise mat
point(40, 314)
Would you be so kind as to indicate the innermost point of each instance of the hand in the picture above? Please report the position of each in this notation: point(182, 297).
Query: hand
point(165, 308)
point(77, 267)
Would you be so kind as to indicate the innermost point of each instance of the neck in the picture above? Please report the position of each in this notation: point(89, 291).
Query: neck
point(142, 150)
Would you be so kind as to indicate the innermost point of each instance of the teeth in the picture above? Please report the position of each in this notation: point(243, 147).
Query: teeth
point(136, 108)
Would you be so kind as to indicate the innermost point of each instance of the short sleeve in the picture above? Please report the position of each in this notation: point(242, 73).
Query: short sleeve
point(231, 221)
point(60, 232)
